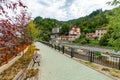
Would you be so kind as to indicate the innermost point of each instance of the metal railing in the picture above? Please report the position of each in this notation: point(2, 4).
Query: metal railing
point(88, 55)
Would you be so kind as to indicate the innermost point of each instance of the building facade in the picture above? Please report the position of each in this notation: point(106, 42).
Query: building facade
point(100, 32)
point(91, 35)
point(55, 32)
point(74, 33)
point(55, 35)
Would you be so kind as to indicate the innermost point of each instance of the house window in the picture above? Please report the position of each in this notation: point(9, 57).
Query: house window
point(98, 33)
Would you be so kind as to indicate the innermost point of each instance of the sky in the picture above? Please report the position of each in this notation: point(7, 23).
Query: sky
point(64, 10)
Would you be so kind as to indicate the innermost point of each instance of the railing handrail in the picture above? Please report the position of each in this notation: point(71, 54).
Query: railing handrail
point(91, 56)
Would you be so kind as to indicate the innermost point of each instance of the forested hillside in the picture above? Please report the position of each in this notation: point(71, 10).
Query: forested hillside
point(112, 37)
point(45, 26)
point(89, 23)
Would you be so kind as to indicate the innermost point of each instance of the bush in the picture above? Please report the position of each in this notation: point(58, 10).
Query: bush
point(105, 69)
point(104, 40)
point(98, 54)
point(85, 41)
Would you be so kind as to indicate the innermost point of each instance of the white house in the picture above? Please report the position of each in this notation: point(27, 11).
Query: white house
point(74, 33)
point(100, 32)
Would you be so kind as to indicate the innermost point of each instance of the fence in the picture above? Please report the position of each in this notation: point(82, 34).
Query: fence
point(8, 53)
point(91, 56)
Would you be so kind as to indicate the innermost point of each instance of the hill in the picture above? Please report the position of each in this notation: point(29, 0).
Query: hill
point(45, 26)
point(89, 23)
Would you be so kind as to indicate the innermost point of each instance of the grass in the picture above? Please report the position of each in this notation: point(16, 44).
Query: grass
point(115, 73)
point(20, 64)
point(93, 43)
point(92, 65)
point(106, 70)
point(89, 64)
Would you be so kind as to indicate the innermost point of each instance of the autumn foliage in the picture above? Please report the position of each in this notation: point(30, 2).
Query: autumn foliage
point(13, 19)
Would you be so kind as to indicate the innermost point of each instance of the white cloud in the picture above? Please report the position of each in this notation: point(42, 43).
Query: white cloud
point(65, 9)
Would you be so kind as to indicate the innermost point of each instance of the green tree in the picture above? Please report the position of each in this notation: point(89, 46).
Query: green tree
point(46, 37)
point(64, 29)
point(45, 25)
point(32, 31)
point(114, 2)
point(114, 30)
point(85, 41)
point(104, 40)
point(115, 38)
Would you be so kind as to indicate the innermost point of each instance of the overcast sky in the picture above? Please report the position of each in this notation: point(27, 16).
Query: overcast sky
point(65, 9)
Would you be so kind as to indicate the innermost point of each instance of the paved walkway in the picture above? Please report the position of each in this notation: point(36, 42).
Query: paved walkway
point(56, 66)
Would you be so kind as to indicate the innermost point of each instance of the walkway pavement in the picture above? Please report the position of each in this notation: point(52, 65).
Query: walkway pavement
point(56, 66)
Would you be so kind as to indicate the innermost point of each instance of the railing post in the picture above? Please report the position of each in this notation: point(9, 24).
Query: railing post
point(119, 63)
point(59, 47)
point(88, 55)
point(72, 54)
point(91, 56)
point(63, 49)
point(55, 46)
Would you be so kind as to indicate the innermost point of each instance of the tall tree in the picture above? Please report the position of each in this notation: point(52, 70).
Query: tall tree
point(114, 2)
point(32, 31)
point(64, 29)
point(45, 25)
